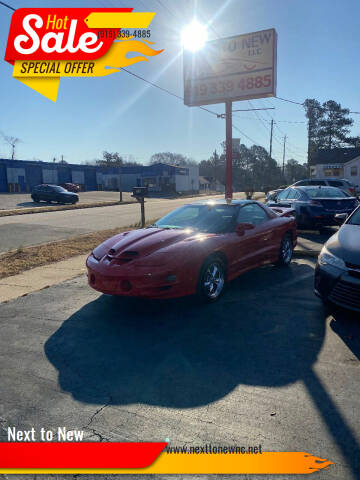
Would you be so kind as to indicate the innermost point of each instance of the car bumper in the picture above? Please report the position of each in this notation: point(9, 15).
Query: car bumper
point(155, 283)
point(337, 286)
point(327, 219)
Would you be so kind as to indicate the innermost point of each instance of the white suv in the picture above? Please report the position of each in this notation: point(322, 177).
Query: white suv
point(341, 183)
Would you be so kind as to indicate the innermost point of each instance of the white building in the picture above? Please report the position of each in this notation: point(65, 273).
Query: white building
point(338, 163)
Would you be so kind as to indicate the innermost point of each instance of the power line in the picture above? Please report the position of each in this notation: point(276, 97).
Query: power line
point(8, 6)
point(165, 90)
point(289, 101)
point(302, 104)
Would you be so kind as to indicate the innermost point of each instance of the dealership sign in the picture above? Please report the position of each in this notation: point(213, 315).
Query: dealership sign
point(234, 68)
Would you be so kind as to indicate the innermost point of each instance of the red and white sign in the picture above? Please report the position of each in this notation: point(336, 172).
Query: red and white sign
point(234, 68)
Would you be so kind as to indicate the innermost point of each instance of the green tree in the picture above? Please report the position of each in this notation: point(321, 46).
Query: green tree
point(334, 125)
point(294, 171)
point(314, 113)
point(172, 159)
point(328, 127)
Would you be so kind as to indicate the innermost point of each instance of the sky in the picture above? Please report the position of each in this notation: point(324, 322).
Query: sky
point(318, 44)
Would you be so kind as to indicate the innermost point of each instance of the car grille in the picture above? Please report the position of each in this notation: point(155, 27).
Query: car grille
point(346, 293)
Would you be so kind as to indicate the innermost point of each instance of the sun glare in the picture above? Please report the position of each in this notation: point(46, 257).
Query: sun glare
point(194, 36)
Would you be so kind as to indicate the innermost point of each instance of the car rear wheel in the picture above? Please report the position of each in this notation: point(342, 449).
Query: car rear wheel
point(36, 199)
point(211, 279)
point(286, 250)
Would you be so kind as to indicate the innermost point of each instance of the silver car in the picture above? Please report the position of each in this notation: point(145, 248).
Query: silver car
point(342, 183)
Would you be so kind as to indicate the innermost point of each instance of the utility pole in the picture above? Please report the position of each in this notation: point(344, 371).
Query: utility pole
point(228, 119)
point(271, 136)
point(283, 164)
point(215, 167)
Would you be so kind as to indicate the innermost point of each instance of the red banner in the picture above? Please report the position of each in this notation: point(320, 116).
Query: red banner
point(58, 34)
point(78, 455)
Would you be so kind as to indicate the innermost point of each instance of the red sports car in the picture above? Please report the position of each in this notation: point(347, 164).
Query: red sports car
point(194, 249)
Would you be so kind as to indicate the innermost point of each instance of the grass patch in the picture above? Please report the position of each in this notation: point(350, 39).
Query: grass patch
point(25, 258)
point(50, 208)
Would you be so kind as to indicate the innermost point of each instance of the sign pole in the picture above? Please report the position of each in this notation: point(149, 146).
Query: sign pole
point(142, 201)
point(120, 183)
point(228, 117)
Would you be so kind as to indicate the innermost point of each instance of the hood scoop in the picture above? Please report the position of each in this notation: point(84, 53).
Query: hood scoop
point(124, 257)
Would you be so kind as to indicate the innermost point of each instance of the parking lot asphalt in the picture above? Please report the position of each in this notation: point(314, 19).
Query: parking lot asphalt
point(10, 201)
point(264, 365)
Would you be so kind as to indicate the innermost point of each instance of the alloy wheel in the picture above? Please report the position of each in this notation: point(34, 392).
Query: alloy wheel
point(213, 280)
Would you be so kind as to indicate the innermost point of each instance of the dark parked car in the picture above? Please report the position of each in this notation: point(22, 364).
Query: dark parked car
point(71, 187)
point(53, 193)
point(316, 206)
point(337, 273)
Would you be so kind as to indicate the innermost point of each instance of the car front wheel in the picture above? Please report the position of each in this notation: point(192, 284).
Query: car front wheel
point(211, 279)
point(286, 250)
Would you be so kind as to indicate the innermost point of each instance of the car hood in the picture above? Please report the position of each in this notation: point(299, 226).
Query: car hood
point(144, 243)
point(346, 243)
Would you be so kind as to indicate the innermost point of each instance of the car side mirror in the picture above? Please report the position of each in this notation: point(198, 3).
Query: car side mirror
point(242, 227)
point(340, 218)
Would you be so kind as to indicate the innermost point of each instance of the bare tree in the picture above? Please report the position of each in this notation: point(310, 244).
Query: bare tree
point(12, 141)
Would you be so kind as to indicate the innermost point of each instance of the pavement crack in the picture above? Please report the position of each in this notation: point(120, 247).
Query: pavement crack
point(101, 437)
point(99, 410)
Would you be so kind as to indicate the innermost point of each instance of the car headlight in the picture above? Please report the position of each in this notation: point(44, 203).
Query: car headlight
point(327, 258)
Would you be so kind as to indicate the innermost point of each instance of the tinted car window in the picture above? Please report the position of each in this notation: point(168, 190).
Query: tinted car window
point(317, 182)
point(355, 219)
point(283, 195)
point(327, 192)
point(335, 183)
point(302, 183)
point(293, 194)
point(252, 213)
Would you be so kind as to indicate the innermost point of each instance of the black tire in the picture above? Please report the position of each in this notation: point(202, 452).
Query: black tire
point(211, 281)
point(286, 251)
point(36, 199)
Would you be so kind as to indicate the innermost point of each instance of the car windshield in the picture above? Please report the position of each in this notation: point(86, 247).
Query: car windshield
point(355, 219)
point(210, 218)
point(325, 192)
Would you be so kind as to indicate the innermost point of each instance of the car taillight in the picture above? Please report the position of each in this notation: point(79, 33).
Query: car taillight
point(351, 190)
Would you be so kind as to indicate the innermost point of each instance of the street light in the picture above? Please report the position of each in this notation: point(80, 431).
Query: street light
point(194, 36)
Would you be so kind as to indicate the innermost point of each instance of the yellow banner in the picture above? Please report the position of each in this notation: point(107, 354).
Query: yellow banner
point(113, 60)
point(116, 19)
point(207, 463)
